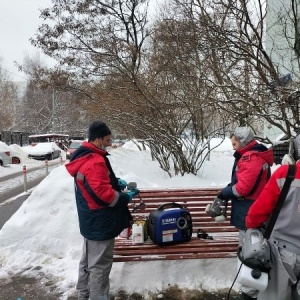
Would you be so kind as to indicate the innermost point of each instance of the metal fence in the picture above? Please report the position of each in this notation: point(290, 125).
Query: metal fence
point(22, 138)
point(15, 137)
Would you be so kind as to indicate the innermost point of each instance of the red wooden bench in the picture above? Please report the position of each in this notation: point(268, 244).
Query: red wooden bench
point(225, 236)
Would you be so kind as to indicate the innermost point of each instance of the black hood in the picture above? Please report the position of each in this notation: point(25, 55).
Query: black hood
point(81, 151)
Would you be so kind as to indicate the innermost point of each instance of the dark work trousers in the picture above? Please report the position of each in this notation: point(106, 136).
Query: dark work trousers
point(94, 269)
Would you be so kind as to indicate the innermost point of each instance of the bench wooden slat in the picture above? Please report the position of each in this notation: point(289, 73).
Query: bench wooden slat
point(188, 250)
point(127, 243)
point(175, 256)
point(196, 248)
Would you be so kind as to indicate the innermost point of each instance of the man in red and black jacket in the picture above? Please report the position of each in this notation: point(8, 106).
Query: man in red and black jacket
point(250, 173)
point(102, 211)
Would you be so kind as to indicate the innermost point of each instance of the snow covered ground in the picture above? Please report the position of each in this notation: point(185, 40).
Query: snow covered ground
point(43, 235)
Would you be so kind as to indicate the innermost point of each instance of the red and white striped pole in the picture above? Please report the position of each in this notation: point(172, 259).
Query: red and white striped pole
point(25, 178)
point(46, 165)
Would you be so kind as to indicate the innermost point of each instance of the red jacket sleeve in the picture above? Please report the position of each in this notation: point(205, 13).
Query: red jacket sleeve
point(264, 205)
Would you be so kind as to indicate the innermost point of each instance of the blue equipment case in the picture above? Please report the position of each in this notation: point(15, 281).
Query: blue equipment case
point(169, 224)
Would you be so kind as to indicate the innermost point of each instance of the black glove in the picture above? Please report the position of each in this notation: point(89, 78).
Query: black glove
point(221, 196)
point(226, 193)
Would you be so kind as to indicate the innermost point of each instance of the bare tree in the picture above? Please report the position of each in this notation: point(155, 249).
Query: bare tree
point(190, 77)
point(246, 78)
point(45, 108)
point(8, 99)
point(106, 45)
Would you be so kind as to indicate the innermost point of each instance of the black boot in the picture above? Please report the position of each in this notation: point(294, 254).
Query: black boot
point(242, 296)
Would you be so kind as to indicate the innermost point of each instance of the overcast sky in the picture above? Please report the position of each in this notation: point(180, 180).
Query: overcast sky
point(19, 20)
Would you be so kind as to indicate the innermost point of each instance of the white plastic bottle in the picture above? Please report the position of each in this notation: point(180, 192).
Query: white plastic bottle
point(246, 278)
point(137, 234)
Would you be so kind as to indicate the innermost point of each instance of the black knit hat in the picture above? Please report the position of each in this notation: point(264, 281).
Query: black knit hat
point(98, 129)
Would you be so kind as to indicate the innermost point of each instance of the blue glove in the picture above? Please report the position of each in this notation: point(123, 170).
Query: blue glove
point(122, 184)
point(133, 192)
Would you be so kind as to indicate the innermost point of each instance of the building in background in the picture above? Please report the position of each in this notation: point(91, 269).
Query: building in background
point(282, 43)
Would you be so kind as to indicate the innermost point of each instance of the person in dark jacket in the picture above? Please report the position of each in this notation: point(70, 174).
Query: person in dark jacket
point(102, 211)
point(250, 173)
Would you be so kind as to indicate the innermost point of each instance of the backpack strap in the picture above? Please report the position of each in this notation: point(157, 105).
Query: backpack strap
point(286, 186)
point(259, 177)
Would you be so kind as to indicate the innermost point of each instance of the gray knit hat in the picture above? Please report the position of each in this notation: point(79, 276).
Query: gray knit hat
point(244, 135)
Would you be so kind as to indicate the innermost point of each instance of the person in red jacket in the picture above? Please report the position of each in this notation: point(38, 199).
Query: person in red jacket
point(250, 173)
point(102, 211)
point(285, 236)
